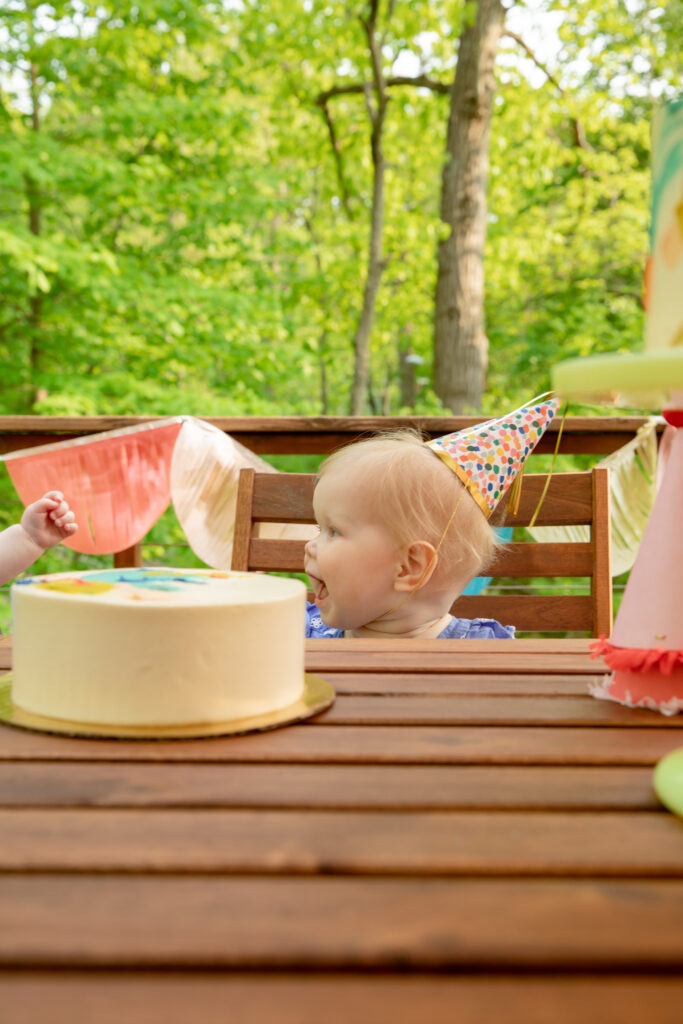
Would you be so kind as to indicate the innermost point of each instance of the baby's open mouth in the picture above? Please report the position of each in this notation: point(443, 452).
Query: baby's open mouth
point(318, 587)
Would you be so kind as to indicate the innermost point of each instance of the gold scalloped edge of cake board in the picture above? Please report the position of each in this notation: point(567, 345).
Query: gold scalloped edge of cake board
point(317, 695)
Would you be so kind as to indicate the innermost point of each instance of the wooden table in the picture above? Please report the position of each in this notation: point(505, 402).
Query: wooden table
point(466, 836)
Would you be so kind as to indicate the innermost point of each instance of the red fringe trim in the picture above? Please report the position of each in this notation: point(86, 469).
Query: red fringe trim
point(635, 659)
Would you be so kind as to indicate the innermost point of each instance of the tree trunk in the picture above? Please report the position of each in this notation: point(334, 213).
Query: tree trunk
point(406, 367)
point(34, 213)
point(375, 265)
point(460, 342)
point(322, 351)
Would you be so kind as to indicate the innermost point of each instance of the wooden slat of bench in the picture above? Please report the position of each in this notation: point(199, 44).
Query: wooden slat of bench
point(138, 921)
point(568, 499)
point(276, 555)
point(256, 997)
point(283, 499)
point(241, 537)
point(516, 559)
point(130, 557)
point(529, 559)
point(350, 787)
point(601, 591)
point(347, 744)
point(472, 843)
point(533, 612)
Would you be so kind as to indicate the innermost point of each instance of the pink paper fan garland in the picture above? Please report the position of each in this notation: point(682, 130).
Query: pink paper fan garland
point(117, 482)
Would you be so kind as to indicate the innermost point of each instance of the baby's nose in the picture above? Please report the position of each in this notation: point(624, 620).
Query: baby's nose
point(309, 547)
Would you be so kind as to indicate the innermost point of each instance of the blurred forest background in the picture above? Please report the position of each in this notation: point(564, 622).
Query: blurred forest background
point(241, 207)
point(186, 189)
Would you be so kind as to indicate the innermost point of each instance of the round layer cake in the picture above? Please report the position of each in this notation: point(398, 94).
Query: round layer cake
point(157, 647)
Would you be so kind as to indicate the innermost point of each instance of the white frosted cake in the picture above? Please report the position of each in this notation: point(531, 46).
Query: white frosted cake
point(157, 647)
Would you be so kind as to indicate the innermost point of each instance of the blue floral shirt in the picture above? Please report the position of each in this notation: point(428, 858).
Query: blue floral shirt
point(457, 629)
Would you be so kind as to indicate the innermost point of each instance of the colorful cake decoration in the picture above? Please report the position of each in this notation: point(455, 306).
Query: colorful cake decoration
point(101, 581)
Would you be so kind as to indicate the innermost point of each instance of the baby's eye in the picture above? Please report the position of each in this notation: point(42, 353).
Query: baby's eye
point(333, 531)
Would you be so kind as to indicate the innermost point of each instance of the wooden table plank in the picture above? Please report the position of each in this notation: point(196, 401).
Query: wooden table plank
point(340, 744)
point(461, 661)
point(503, 843)
point(450, 683)
point(145, 997)
point(523, 837)
point(538, 647)
point(390, 924)
point(548, 657)
point(416, 709)
point(349, 787)
point(456, 684)
point(449, 656)
point(529, 645)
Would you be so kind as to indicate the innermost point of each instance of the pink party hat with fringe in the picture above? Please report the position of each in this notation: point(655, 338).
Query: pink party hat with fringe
point(488, 457)
point(645, 650)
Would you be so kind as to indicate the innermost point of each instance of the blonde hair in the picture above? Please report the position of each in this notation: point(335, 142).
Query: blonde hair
point(414, 494)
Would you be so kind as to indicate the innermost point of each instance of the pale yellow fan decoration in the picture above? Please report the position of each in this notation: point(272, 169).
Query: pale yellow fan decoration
point(633, 471)
point(204, 475)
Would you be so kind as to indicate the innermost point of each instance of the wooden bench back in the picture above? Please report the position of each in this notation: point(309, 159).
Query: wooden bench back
point(571, 499)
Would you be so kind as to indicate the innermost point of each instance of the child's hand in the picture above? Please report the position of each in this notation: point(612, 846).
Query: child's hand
point(49, 520)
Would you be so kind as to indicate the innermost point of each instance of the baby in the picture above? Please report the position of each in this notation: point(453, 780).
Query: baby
point(404, 526)
point(385, 563)
point(44, 523)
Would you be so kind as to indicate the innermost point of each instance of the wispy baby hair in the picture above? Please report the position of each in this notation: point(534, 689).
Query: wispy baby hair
point(413, 494)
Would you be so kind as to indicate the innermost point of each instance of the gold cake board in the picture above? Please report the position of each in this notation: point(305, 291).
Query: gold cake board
point(318, 695)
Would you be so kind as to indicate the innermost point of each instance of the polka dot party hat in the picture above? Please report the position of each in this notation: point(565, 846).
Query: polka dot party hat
point(488, 456)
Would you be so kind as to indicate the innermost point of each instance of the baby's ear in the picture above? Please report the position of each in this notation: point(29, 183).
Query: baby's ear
point(417, 564)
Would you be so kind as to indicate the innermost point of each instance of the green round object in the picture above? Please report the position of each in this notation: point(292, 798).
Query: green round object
point(668, 781)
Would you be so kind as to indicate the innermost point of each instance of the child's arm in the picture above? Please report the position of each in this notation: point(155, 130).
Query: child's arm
point(44, 523)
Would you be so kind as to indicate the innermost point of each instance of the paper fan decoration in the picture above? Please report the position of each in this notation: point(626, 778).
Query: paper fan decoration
point(204, 476)
point(116, 482)
point(632, 484)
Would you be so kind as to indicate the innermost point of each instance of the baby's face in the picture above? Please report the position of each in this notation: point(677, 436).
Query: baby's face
point(353, 562)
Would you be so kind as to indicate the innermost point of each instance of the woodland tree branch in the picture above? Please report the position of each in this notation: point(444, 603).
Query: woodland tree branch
point(417, 81)
point(580, 139)
point(334, 142)
point(361, 89)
